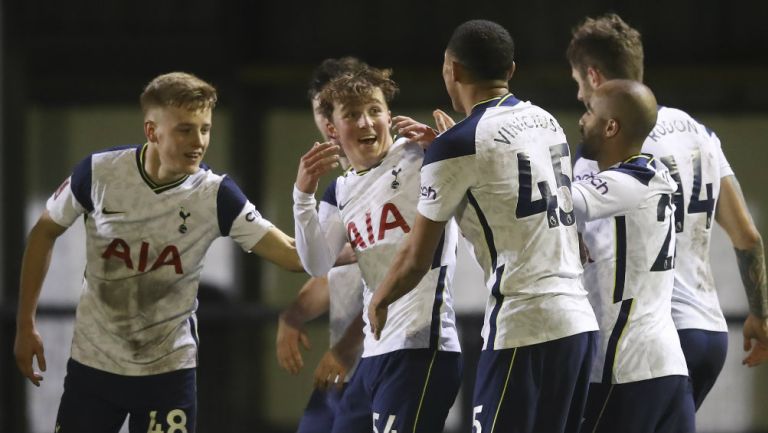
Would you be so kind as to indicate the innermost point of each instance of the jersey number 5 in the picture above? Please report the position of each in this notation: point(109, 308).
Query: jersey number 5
point(548, 202)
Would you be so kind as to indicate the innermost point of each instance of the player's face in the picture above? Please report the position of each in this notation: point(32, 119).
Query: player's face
point(592, 127)
point(450, 82)
point(180, 138)
point(585, 87)
point(362, 129)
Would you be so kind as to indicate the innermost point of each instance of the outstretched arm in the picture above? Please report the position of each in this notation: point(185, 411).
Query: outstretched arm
point(280, 249)
point(406, 270)
point(732, 214)
point(312, 301)
point(34, 267)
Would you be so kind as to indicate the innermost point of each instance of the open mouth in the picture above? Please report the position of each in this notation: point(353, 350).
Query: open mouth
point(193, 155)
point(367, 139)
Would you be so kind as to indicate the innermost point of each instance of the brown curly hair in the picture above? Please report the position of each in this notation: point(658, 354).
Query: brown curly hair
point(354, 86)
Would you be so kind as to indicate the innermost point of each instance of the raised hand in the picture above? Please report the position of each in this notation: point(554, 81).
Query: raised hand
point(413, 130)
point(442, 120)
point(320, 159)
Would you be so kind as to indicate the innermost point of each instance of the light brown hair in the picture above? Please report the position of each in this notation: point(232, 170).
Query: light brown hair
point(608, 44)
point(178, 89)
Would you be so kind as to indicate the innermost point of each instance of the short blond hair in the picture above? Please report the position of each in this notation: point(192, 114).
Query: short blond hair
point(178, 89)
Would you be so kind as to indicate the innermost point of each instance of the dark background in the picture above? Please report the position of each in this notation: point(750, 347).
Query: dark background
point(701, 55)
point(75, 52)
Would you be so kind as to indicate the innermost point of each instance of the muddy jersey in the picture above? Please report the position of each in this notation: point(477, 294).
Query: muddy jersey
point(695, 159)
point(145, 245)
point(626, 214)
point(504, 174)
point(374, 211)
point(696, 162)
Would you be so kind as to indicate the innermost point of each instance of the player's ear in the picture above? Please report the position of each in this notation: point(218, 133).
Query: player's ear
point(612, 128)
point(150, 131)
point(594, 77)
point(458, 73)
point(511, 71)
point(331, 130)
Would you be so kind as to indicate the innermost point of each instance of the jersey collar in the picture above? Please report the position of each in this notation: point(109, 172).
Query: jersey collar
point(507, 100)
point(156, 188)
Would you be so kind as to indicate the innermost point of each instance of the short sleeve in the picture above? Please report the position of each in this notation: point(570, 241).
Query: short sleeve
point(238, 217)
point(449, 171)
point(606, 194)
point(73, 197)
point(725, 166)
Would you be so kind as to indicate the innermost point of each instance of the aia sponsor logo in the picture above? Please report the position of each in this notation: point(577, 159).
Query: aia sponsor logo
point(119, 249)
point(389, 219)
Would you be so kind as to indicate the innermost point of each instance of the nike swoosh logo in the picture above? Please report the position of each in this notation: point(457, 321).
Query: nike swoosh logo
point(110, 212)
point(342, 206)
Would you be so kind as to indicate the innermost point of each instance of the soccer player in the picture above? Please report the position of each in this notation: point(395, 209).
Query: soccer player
point(607, 48)
point(340, 294)
point(411, 374)
point(151, 212)
point(504, 173)
point(639, 379)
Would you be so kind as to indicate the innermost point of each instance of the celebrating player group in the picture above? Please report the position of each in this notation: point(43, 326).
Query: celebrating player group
point(601, 312)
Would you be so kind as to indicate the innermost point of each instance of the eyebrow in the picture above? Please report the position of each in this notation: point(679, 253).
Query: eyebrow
point(192, 124)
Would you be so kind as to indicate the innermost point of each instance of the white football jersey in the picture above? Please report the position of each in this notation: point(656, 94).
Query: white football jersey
point(695, 159)
point(374, 211)
point(145, 245)
point(696, 162)
point(630, 283)
point(504, 174)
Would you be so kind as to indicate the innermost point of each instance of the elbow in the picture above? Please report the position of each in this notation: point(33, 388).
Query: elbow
point(298, 268)
point(752, 240)
point(316, 270)
point(747, 240)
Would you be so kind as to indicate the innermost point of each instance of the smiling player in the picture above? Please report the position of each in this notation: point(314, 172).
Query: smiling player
point(151, 212)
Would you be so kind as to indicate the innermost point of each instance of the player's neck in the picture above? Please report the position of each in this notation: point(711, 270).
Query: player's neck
point(155, 170)
point(609, 159)
point(483, 91)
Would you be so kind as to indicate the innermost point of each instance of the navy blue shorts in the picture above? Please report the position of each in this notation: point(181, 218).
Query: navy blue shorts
point(321, 410)
point(97, 401)
point(705, 353)
point(408, 390)
point(537, 388)
point(660, 405)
